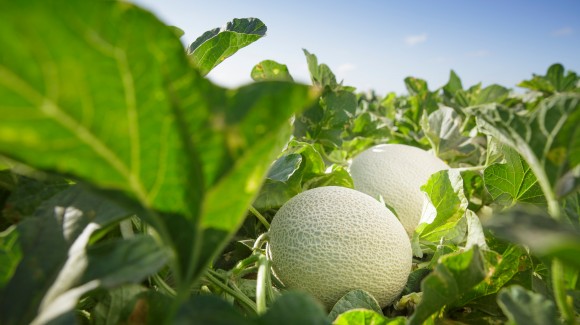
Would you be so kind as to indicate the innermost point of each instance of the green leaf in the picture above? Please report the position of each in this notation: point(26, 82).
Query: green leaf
point(53, 243)
point(512, 181)
point(526, 307)
point(284, 167)
point(366, 317)
point(545, 138)
point(28, 193)
point(117, 305)
point(255, 134)
point(501, 268)
point(475, 235)
point(295, 308)
point(453, 277)
point(339, 107)
point(446, 207)
point(553, 81)
point(321, 75)
point(162, 136)
point(210, 309)
point(10, 254)
point(453, 85)
point(491, 94)
point(216, 45)
point(111, 108)
point(271, 70)
point(353, 300)
point(544, 236)
point(443, 130)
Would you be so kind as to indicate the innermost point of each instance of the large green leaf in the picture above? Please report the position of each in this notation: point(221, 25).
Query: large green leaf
point(547, 139)
point(216, 45)
point(256, 129)
point(512, 181)
point(109, 96)
point(453, 277)
point(103, 97)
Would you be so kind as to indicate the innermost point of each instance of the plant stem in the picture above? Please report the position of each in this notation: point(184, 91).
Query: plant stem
point(261, 285)
point(260, 241)
point(243, 264)
point(259, 216)
point(126, 228)
point(562, 299)
point(163, 285)
point(236, 293)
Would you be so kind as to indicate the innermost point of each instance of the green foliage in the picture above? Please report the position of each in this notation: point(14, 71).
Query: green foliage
point(133, 190)
point(216, 45)
point(271, 70)
point(525, 307)
point(453, 277)
point(354, 300)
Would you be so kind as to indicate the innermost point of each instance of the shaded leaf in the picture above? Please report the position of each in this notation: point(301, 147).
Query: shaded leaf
point(117, 305)
point(501, 268)
point(10, 254)
point(544, 236)
point(216, 45)
point(28, 193)
point(295, 308)
point(525, 307)
point(209, 309)
point(453, 277)
point(354, 300)
point(55, 235)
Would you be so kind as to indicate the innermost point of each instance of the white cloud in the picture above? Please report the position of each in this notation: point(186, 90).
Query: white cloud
point(412, 40)
point(479, 53)
point(345, 67)
point(565, 31)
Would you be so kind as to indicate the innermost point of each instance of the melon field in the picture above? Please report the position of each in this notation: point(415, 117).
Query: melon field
point(133, 190)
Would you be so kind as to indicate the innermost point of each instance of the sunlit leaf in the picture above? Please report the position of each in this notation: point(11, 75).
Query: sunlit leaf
point(216, 45)
point(270, 70)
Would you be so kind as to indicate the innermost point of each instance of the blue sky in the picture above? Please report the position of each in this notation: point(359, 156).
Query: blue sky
point(376, 44)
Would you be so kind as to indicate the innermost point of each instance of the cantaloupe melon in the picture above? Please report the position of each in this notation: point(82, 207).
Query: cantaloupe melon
point(331, 240)
point(396, 172)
